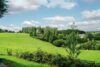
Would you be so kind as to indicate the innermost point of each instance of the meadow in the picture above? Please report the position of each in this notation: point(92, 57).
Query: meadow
point(23, 42)
point(16, 62)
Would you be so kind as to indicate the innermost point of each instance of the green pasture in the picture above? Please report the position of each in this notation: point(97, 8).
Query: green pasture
point(16, 62)
point(23, 42)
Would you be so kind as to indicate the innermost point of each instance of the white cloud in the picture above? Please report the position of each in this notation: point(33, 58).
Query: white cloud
point(91, 14)
point(68, 4)
point(61, 22)
point(24, 5)
point(10, 27)
point(27, 23)
point(30, 23)
point(98, 28)
point(91, 1)
point(64, 22)
point(59, 19)
point(89, 25)
point(86, 25)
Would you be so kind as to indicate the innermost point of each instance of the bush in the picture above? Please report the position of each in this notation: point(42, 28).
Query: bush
point(9, 52)
point(56, 60)
point(59, 42)
point(90, 36)
point(39, 56)
point(97, 37)
point(97, 47)
point(60, 36)
point(82, 40)
point(27, 55)
point(90, 45)
point(60, 61)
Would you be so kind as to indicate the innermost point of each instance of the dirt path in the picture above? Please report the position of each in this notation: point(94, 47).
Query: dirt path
point(3, 65)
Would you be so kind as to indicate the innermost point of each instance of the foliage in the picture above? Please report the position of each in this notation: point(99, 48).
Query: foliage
point(55, 60)
point(82, 40)
point(89, 36)
point(59, 42)
point(51, 34)
point(9, 52)
point(5, 31)
point(3, 7)
point(61, 36)
point(68, 31)
point(41, 57)
point(90, 45)
point(29, 30)
point(21, 42)
point(71, 45)
point(97, 36)
point(11, 61)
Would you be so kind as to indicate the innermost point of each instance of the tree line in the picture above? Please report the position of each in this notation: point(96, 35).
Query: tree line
point(60, 38)
point(6, 31)
point(52, 35)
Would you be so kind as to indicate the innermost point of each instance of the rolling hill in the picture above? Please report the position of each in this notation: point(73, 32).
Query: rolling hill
point(23, 42)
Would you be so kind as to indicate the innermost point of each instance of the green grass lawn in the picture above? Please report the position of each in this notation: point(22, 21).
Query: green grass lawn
point(23, 42)
point(90, 55)
point(16, 62)
point(98, 42)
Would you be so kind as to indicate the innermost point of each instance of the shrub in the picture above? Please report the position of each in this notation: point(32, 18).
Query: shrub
point(39, 56)
point(82, 40)
point(89, 36)
point(9, 52)
point(97, 37)
point(27, 55)
point(59, 42)
point(90, 45)
point(56, 60)
point(97, 47)
point(60, 36)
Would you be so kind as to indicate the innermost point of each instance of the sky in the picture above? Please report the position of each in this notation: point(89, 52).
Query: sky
point(53, 13)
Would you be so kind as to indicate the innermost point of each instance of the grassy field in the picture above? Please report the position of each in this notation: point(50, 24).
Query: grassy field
point(16, 62)
point(90, 55)
point(23, 42)
point(98, 42)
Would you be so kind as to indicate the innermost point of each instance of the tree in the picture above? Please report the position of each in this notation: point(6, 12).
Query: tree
point(46, 33)
point(89, 36)
point(90, 45)
point(50, 34)
point(3, 7)
point(71, 44)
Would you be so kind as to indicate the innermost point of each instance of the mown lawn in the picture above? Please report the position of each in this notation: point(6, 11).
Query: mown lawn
point(23, 42)
point(98, 43)
point(16, 62)
point(90, 55)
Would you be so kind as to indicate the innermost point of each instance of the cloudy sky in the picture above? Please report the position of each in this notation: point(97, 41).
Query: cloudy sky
point(54, 13)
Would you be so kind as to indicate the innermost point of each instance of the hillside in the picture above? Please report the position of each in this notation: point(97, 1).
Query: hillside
point(23, 42)
point(16, 62)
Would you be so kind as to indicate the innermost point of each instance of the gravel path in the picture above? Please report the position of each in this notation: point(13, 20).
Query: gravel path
point(3, 65)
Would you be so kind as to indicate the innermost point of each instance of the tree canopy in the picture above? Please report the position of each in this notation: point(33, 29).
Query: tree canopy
point(3, 7)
